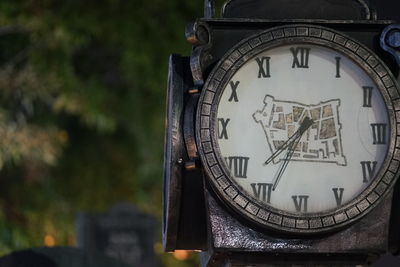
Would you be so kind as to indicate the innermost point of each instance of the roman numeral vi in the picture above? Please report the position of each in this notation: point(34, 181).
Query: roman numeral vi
point(300, 203)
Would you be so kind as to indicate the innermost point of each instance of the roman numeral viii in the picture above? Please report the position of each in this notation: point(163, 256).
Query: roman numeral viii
point(300, 203)
point(379, 133)
point(368, 170)
point(263, 67)
point(300, 57)
point(238, 166)
point(262, 191)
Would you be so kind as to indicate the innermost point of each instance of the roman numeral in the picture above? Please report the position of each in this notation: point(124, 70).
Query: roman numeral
point(300, 57)
point(338, 66)
point(262, 191)
point(222, 132)
point(238, 166)
point(367, 93)
point(263, 67)
point(379, 133)
point(234, 86)
point(338, 192)
point(368, 170)
point(300, 203)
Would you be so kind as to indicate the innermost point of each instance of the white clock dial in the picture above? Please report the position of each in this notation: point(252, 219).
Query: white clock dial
point(302, 128)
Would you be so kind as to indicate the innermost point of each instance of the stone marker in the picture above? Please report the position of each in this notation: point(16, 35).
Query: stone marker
point(123, 233)
point(57, 257)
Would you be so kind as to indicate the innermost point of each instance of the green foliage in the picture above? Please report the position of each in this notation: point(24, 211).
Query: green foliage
point(82, 99)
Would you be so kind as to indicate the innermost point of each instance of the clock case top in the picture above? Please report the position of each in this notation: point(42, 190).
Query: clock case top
point(211, 39)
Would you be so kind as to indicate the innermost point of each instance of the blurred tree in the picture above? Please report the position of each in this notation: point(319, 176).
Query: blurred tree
point(82, 92)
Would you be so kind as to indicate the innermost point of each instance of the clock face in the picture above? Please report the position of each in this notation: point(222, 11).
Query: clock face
point(297, 127)
point(341, 149)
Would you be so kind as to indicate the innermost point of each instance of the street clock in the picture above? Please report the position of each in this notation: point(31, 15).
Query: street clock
point(282, 135)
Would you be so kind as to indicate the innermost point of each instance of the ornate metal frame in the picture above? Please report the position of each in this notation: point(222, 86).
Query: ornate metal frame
point(216, 170)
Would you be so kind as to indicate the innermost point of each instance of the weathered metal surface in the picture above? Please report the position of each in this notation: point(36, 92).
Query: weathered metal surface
point(367, 236)
point(173, 152)
point(294, 9)
point(209, 8)
point(220, 177)
point(183, 214)
point(225, 33)
point(199, 35)
point(390, 41)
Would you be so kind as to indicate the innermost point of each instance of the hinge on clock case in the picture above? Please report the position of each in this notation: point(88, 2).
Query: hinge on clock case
point(197, 34)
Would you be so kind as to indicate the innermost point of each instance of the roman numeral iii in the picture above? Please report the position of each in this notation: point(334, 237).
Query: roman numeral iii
point(263, 67)
point(238, 166)
point(300, 203)
point(379, 131)
point(262, 191)
point(300, 57)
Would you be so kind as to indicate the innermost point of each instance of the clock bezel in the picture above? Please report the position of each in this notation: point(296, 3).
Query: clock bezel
point(218, 175)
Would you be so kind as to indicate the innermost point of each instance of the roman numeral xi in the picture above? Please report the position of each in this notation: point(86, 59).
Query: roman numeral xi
point(263, 67)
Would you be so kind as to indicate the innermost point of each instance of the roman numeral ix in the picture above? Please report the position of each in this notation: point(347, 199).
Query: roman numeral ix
point(263, 67)
point(300, 203)
point(300, 57)
point(262, 191)
point(238, 166)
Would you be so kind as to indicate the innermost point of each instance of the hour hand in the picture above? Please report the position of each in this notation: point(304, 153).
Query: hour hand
point(306, 123)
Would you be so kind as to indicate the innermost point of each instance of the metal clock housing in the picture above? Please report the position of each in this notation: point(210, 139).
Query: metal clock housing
point(219, 176)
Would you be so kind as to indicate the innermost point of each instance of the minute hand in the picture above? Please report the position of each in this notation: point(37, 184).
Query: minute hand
point(307, 122)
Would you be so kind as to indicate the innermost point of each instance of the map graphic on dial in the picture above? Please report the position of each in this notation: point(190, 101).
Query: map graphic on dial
point(321, 142)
